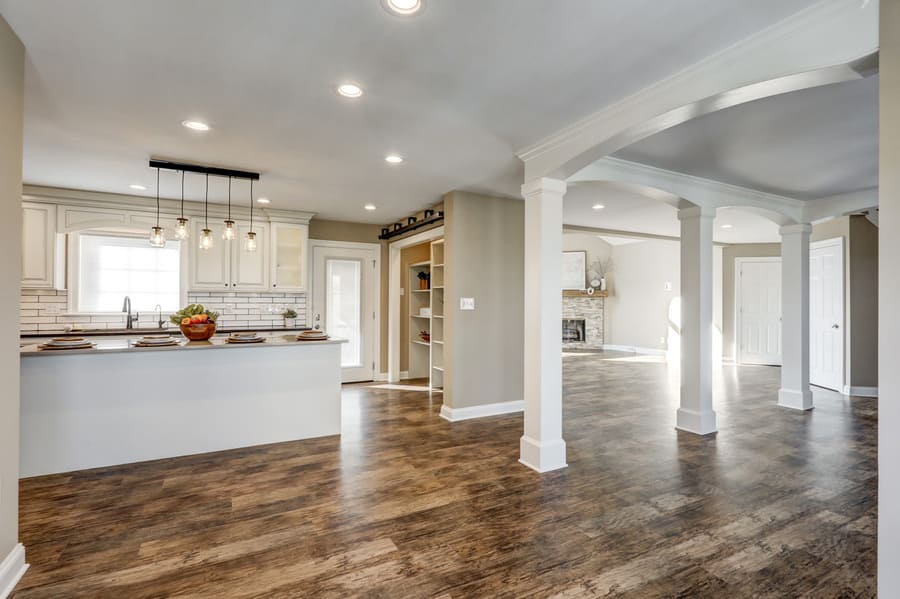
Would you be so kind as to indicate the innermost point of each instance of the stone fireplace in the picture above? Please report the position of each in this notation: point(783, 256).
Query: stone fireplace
point(582, 322)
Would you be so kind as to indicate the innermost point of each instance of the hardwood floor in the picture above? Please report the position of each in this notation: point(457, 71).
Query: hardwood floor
point(404, 504)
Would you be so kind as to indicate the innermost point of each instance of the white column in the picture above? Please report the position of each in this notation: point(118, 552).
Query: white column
point(542, 447)
point(696, 413)
point(795, 392)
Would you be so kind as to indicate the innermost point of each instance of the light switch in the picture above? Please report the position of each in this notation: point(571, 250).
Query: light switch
point(467, 303)
point(402, 292)
point(667, 286)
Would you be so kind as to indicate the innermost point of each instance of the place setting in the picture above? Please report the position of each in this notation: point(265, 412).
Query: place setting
point(245, 337)
point(63, 343)
point(312, 335)
point(156, 341)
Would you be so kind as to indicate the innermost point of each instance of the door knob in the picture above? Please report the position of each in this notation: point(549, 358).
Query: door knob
point(835, 326)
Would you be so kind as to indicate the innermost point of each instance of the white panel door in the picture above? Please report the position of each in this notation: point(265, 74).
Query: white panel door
point(759, 311)
point(826, 314)
point(345, 304)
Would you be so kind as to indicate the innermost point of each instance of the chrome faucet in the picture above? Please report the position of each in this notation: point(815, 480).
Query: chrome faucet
point(158, 308)
point(129, 319)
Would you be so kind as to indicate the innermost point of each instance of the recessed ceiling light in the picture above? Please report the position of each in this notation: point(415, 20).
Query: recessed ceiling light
point(263, 200)
point(598, 206)
point(727, 226)
point(138, 187)
point(195, 125)
point(369, 206)
point(350, 90)
point(393, 159)
point(402, 7)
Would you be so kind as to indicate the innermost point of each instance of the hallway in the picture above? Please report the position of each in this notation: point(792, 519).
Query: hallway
point(779, 503)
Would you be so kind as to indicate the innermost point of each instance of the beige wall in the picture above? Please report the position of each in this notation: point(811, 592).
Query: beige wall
point(410, 255)
point(888, 315)
point(484, 248)
point(12, 85)
point(333, 230)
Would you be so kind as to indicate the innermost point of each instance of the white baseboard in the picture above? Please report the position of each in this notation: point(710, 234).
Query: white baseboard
point(12, 568)
point(635, 350)
point(490, 409)
point(382, 377)
point(404, 375)
point(860, 391)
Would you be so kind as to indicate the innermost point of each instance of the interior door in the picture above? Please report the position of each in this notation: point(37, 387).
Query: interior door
point(826, 314)
point(345, 304)
point(759, 318)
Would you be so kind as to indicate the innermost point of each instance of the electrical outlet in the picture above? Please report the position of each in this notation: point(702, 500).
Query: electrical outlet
point(467, 303)
point(402, 292)
point(662, 340)
point(667, 286)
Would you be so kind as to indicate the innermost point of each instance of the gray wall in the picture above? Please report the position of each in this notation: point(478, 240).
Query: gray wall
point(889, 316)
point(12, 85)
point(484, 248)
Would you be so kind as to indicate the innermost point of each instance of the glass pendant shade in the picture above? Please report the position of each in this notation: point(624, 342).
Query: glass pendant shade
point(157, 237)
point(206, 240)
point(250, 242)
point(228, 233)
point(181, 229)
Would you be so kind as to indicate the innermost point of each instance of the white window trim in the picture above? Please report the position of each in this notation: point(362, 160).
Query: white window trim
point(73, 259)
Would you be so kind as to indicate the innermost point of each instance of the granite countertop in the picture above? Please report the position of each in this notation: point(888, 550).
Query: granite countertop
point(106, 346)
point(142, 331)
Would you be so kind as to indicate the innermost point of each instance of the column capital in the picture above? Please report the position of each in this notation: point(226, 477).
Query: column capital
point(544, 185)
point(795, 229)
point(696, 212)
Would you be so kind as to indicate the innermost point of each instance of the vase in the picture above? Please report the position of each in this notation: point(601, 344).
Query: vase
point(602, 283)
point(290, 323)
point(423, 283)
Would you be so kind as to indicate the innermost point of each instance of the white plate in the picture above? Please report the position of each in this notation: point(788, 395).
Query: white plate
point(62, 342)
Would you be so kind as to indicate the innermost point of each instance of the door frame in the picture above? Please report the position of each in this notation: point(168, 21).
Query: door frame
point(375, 248)
point(393, 372)
point(842, 245)
point(739, 301)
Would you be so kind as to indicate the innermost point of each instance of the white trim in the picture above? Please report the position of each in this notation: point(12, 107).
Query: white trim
point(375, 249)
point(12, 568)
point(634, 349)
point(482, 411)
point(860, 391)
point(394, 295)
point(739, 300)
point(840, 243)
point(381, 377)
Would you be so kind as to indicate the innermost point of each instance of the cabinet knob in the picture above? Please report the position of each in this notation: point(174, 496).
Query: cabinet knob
point(274, 285)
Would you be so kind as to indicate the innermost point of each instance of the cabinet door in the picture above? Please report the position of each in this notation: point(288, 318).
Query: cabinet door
point(250, 270)
point(38, 245)
point(210, 269)
point(288, 257)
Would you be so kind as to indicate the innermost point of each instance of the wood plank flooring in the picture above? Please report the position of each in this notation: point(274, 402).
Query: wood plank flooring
point(405, 504)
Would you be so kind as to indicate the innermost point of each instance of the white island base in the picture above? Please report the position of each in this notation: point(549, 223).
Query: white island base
point(106, 406)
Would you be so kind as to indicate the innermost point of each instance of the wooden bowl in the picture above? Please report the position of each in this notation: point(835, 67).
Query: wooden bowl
point(200, 331)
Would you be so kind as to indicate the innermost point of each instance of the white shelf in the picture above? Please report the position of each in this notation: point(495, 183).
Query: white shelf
point(421, 290)
point(438, 287)
point(436, 341)
point(438, 316)
point(438, 368)
point(417, 342)
point(418, 264)
point(417, 316)
point(437, 265)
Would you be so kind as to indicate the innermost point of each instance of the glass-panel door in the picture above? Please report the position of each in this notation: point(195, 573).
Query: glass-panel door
point(345, 303)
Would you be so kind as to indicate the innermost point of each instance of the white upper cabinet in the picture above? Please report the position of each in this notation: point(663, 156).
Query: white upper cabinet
point(228, 265)
point(288, 257)
point(250, 270)
point(211, 268)
point(39, 246)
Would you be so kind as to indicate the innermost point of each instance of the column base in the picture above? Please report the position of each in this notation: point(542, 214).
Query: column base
point(542, 457)
point(796, 400)
point(699, 423)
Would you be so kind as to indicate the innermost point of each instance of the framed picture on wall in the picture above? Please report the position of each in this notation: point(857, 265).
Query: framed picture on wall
point(574, 270)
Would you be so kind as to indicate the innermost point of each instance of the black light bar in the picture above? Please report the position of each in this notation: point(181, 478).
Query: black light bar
point(198, 168)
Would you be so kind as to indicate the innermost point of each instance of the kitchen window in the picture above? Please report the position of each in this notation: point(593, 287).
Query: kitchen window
point(110, 266)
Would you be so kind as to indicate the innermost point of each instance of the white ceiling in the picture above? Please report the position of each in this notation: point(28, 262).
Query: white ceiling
point(807, 144)
point(455, 89)
point(628, 210)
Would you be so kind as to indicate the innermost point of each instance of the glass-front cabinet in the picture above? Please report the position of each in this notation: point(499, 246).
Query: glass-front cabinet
point(288, 257)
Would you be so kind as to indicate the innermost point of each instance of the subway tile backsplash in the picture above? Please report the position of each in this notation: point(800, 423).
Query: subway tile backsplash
point(44, 311)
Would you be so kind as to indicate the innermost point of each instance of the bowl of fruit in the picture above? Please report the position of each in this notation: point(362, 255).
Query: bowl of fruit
point(196, 322)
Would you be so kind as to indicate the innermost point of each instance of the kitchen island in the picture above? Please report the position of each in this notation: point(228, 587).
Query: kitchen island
point(117, 404)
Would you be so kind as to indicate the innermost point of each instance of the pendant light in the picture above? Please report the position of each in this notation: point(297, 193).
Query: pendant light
point(228, 233)
point(250, 241)
point(206, 241)
point(157, 236)
point(181, 229)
